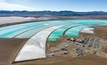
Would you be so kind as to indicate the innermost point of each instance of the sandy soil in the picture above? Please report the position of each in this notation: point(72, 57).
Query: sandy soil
point(8, 49)
point(85, 60)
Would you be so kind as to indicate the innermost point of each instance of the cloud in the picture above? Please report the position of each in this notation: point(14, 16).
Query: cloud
point(8, 6)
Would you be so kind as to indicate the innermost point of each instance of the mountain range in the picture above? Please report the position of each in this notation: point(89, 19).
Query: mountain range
point(49, 13)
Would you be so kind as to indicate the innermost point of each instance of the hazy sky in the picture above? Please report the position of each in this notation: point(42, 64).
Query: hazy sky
point(54, 5)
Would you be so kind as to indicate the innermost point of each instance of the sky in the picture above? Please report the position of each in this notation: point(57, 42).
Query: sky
point(54, 5)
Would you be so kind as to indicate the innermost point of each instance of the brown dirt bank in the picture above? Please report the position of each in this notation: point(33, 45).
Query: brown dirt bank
point(105, 51)
point(101, 31)
point(8, 49)
point(85, 60)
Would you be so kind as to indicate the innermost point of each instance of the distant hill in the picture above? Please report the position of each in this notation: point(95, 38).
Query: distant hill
point(49, 13)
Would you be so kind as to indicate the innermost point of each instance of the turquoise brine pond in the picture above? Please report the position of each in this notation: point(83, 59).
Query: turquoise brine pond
point(70, 27)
